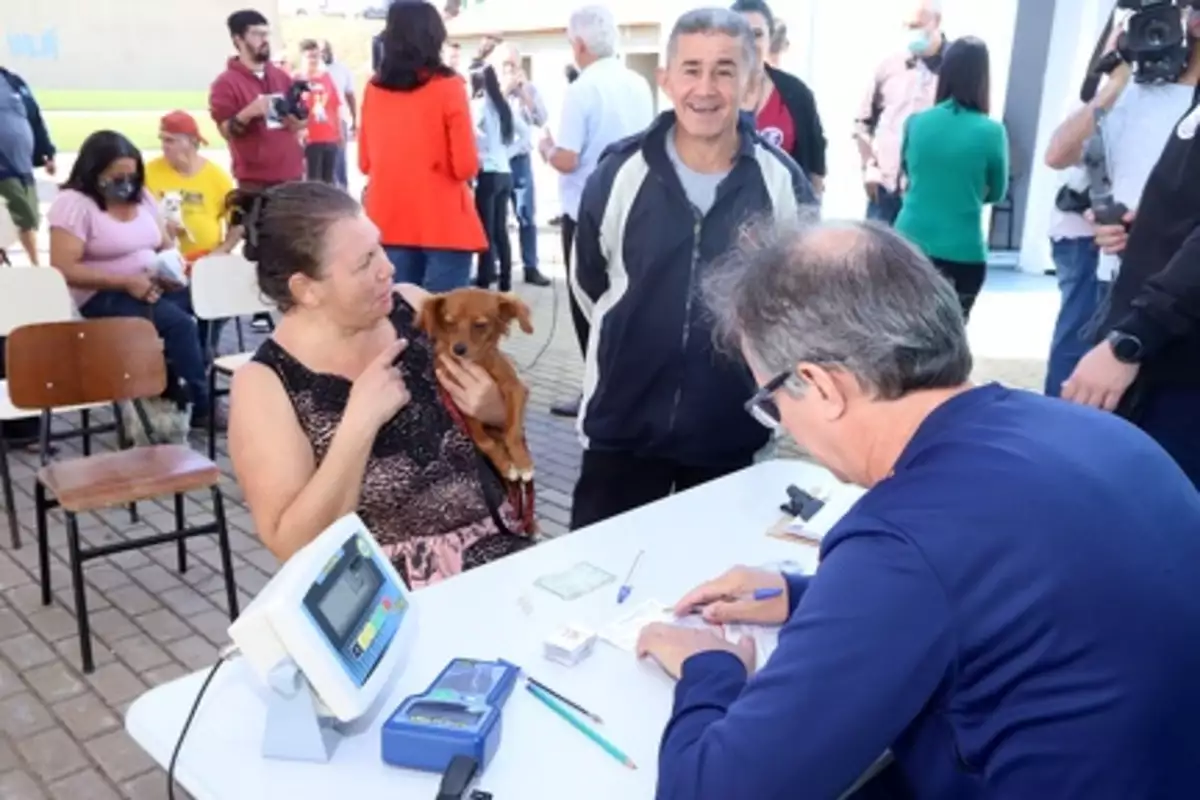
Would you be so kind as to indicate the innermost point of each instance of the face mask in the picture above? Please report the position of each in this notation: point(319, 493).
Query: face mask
point(918, 41)
point(122, 190)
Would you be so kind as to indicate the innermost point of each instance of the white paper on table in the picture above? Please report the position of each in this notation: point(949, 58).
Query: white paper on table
point(623, 632)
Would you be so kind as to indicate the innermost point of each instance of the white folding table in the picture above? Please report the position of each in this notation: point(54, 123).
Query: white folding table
point(687, 538)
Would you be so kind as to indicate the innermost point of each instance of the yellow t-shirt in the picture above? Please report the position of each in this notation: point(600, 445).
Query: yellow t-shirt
point(202, 199)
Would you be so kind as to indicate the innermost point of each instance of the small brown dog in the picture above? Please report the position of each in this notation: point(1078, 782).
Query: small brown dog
point(468, 324)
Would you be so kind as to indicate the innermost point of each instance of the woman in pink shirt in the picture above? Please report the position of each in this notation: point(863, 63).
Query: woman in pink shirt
point(105, 235)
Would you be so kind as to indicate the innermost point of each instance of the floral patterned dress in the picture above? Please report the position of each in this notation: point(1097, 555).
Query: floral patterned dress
point(429, 498)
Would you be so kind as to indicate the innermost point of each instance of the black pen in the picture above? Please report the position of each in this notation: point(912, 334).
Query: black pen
point(594, 717)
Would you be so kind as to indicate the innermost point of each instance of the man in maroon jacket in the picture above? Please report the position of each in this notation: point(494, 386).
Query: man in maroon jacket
point(265, 145)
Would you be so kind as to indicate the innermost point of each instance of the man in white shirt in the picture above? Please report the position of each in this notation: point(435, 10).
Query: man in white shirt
point(343, 79)
point(607, 103)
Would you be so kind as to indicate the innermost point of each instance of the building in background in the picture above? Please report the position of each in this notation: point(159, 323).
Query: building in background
point(131, 45)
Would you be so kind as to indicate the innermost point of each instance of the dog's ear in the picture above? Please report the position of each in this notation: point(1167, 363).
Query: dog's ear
point(513, 308)
point(429, 319)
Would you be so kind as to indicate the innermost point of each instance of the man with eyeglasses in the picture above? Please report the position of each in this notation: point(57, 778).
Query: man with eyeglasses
point(661, 411)
point(1010, 609)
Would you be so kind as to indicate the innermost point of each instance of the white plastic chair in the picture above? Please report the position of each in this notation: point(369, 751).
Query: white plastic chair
point(29, 297)
point(224, 286)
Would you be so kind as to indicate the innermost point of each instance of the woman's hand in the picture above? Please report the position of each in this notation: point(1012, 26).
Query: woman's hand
point(142, 286)
point(379, 392)
point(472, 390)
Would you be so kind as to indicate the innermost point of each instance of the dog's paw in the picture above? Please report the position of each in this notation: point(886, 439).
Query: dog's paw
point(512, 473)
point(527, 475)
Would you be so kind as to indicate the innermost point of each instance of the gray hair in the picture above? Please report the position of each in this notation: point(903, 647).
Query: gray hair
point(850, 296)
point(596, 27)
point(714, 20)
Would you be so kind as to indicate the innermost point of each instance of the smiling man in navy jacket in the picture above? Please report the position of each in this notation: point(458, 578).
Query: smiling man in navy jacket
point(661, 412)
point(1013, 607)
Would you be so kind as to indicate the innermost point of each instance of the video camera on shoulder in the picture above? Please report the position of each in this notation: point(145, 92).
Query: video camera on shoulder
point(1155, 40)
point(289, 104)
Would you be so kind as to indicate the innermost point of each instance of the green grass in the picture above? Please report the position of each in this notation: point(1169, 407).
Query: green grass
point(69, 130)
point(119, 100)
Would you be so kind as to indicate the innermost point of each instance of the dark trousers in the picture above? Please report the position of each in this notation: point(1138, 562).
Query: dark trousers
point(173, 319)
point(578, 319)
point(885, 207)
point(967, 280)
point(1170, 416)
point(613, 483)
point(523, 207)
point(321, 158)
point(341, 175)
point(1075, 262)
point(492, 194)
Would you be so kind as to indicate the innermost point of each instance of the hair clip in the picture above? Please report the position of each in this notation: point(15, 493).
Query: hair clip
point(254, 219)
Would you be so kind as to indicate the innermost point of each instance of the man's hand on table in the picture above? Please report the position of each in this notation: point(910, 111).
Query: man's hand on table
point(730, 598)
point(727, 599)
point(671, 645)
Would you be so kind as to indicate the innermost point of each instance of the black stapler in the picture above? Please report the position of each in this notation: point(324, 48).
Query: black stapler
point(801, 504)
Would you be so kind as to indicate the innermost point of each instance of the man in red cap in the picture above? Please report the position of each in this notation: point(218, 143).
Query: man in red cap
point(190, 189)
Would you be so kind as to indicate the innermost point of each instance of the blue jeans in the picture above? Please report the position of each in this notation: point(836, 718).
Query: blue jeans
point(1075, 262)
point(173, 319)
point(885, 207)
point(523, 207)
point(432, 270)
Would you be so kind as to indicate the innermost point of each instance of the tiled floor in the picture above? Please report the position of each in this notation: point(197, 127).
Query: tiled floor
point(61, 732)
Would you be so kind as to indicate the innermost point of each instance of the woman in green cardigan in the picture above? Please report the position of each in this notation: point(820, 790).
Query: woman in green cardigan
point(955, 159)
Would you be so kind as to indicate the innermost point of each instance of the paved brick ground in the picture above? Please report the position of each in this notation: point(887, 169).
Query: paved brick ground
point(61, 732)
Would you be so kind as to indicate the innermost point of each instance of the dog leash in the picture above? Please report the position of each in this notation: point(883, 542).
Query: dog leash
point(520, 495)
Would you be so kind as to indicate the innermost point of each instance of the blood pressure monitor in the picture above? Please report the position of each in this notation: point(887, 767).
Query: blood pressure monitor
point(333, 627)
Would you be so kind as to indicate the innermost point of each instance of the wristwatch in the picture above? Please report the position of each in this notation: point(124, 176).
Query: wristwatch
point(1126, 347)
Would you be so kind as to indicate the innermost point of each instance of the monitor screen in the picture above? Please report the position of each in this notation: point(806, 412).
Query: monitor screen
point(357, 609)
point(349, 595)
point(450, 715)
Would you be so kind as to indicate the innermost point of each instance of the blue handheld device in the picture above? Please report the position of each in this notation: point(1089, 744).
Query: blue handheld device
point(458, 715)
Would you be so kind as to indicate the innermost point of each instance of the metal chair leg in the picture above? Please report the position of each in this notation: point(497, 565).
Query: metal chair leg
point(226, 555)
point(180, 524)
point(237, 324)
point(81, 613)
point(85, 419)
point(123, 443)
point(211, 425)
point(40, 510)
point(10, 504)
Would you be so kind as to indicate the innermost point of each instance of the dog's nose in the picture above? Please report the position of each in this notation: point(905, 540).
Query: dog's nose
point(460, 349)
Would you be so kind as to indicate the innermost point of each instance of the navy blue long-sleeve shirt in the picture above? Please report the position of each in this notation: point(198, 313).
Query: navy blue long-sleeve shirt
point(1015, 613)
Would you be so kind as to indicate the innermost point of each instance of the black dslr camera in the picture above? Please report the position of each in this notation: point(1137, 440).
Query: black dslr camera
point(1154, 42)
point(291, 103)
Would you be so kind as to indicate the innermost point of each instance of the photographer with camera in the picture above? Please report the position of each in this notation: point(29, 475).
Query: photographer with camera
point(1139, 116)
point(1147, 367)
point(258, 108)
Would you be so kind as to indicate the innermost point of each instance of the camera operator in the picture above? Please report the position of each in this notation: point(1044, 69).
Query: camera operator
point(257, 110)
point(1148, 365)
point(1140, 119)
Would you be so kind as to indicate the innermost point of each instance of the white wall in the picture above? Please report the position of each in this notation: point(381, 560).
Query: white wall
point(1077, 25)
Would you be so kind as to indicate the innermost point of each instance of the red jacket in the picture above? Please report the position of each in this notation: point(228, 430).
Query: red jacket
point(418, 151)
point(260, 154)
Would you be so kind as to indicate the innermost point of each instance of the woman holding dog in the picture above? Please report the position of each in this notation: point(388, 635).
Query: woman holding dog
point(342, 408)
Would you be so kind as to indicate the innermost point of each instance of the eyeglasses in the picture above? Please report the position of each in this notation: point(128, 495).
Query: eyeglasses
point(762, 405)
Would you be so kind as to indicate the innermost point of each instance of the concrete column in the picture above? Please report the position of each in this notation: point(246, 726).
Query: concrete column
point(1074, 27)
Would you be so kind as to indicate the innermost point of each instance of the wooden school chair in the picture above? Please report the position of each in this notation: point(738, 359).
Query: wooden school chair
point(224, 286)
point(29, 295)
point(106, 361)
